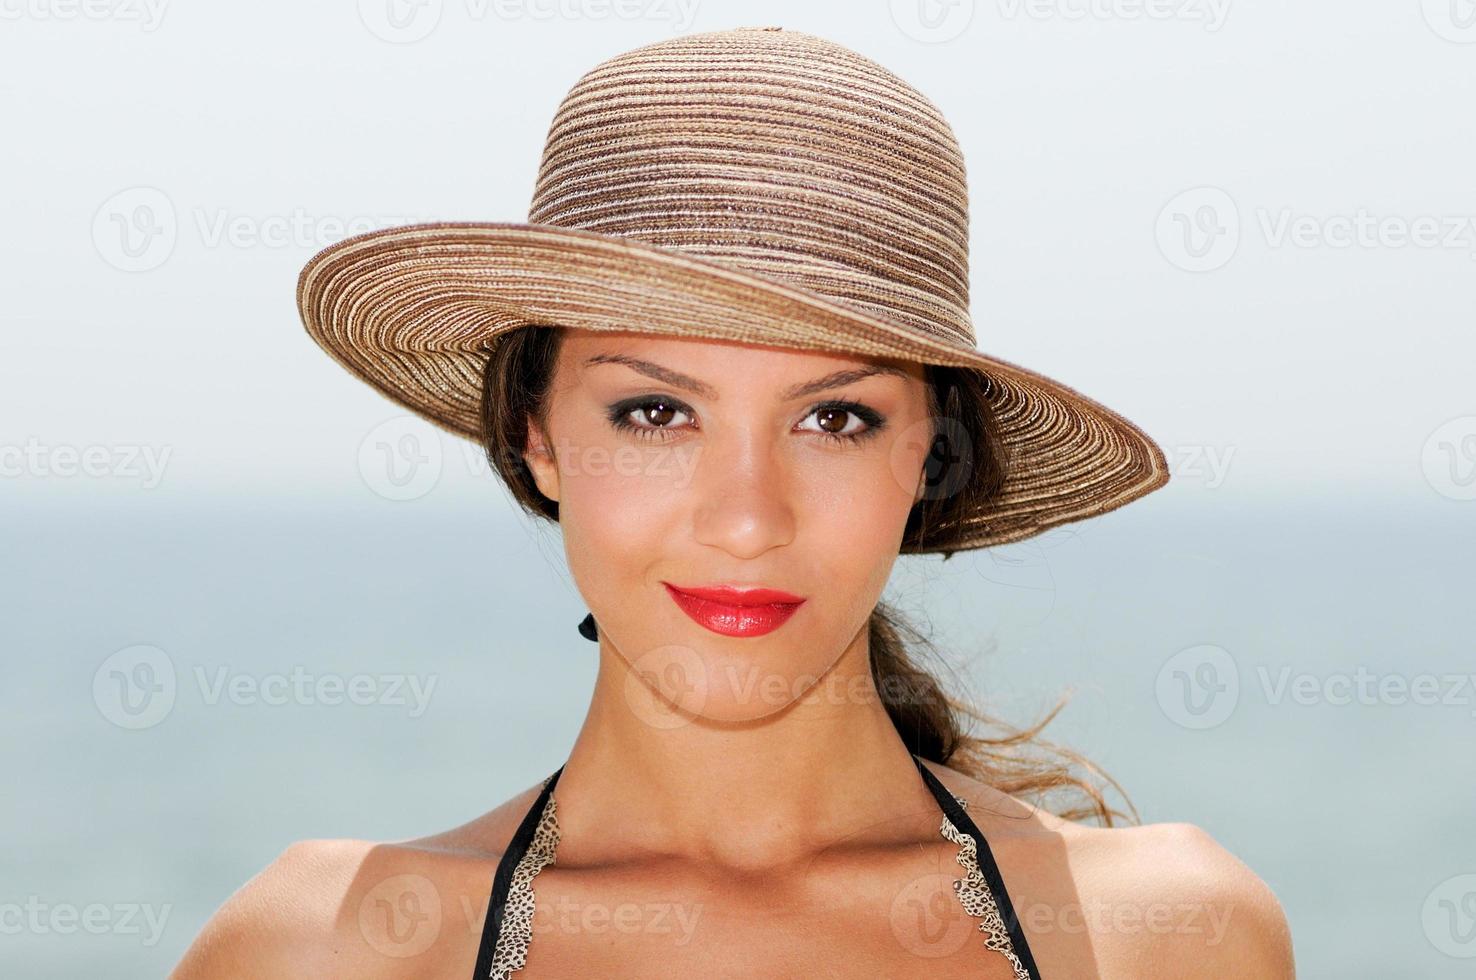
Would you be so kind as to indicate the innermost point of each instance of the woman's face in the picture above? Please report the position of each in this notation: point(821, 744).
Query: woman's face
point(701, 463)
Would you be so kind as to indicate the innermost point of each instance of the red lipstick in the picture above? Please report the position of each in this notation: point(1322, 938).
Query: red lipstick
point(735, 612)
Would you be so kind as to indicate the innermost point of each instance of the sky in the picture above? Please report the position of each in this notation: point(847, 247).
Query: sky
point(1247, 226)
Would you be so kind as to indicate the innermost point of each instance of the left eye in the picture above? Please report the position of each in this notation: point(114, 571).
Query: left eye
point(835, 421)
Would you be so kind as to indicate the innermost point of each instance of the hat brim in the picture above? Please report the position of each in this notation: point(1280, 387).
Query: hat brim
point(411, 311)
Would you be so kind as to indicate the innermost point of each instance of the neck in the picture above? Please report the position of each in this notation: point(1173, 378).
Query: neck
point(826, 769)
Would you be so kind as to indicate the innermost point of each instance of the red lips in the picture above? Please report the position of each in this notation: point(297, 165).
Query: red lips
point(735, 612)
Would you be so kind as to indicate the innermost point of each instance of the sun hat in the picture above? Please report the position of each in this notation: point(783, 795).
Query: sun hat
point(757, 185)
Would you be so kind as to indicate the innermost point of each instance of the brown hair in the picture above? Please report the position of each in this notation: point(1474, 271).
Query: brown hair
point(518, 372)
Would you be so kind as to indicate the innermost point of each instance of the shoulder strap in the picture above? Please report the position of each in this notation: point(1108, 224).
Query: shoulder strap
point(516, 848)
point(960, 819)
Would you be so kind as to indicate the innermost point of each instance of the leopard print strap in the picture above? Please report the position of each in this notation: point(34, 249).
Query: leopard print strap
point(517, 926)
point(973, 891)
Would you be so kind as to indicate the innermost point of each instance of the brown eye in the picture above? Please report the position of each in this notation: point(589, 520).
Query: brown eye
point(840, 423)
point(843, 422)
point(833, 420)
point(650, 418)
point(658, 413)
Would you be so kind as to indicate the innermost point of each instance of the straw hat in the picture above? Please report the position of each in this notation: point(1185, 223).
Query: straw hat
point(757, 185)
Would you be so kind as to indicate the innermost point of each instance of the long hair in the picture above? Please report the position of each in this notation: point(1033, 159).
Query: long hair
point(933, 724)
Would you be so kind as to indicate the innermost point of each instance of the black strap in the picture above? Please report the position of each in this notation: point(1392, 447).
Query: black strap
point(518, 846)
point(502, 880)
point(960, 819)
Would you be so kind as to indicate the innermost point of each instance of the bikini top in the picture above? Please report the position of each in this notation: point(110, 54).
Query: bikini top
point(509, 923)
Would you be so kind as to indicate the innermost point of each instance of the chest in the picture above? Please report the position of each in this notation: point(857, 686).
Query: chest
point(896, 918)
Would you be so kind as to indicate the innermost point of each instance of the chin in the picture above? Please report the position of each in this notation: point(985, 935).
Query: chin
point(721, 679)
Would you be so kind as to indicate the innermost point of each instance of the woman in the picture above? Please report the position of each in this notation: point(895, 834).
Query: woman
point(730, 355)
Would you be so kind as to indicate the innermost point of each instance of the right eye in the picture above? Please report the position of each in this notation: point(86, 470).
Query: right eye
point(648, 418)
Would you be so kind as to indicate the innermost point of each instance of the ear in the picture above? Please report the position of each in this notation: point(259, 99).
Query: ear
point(540, 459)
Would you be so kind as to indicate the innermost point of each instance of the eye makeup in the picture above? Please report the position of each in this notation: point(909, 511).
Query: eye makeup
point(619, 417)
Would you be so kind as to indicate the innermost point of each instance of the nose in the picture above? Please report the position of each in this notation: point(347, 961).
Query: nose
point(743, 496)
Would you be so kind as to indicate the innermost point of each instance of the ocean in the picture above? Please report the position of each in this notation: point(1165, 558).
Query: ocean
point(1282, 671)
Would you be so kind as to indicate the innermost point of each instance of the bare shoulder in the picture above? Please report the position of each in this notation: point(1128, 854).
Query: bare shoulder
point(360, 908)
point(1159, 900)
point(286, 920)
point(1176, 903)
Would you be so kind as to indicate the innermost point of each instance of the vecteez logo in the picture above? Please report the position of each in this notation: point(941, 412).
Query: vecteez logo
point(1200, 230)
point(1453, 20)
point(138, 687)
point(932, 21)
point(147, 14)
point(408, 21)
point(137, 229)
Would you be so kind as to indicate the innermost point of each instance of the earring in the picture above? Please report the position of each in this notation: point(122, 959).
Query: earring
point(587, 627)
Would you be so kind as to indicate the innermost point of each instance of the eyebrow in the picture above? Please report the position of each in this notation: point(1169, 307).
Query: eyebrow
point(676, 379)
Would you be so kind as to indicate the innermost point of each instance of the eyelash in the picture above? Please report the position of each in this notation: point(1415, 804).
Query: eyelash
point(619, 417)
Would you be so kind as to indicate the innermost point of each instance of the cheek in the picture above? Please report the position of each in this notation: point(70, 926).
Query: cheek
point(859, 504)
point(852, 515)
point(618, 505)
